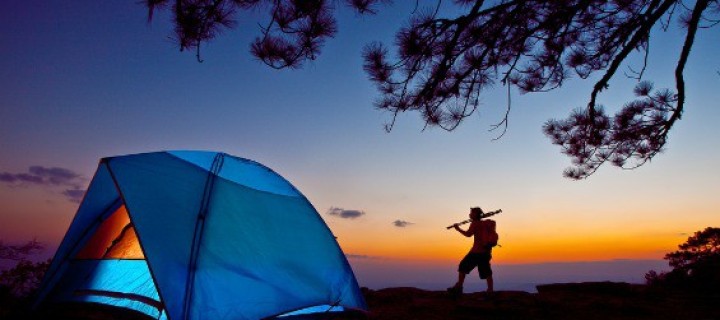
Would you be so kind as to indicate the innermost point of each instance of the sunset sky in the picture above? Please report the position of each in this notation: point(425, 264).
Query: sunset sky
point(82, 80)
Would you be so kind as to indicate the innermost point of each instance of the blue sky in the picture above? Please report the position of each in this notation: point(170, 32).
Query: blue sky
point(84, 80)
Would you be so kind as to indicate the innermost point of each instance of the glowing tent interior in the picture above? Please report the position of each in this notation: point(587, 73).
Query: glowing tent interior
point(199, 235)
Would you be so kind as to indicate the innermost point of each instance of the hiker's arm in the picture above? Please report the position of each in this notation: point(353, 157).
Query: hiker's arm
point(467, 233)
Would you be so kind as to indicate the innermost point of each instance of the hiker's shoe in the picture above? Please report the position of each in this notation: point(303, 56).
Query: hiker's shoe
point(455, 289)
point(455, 292)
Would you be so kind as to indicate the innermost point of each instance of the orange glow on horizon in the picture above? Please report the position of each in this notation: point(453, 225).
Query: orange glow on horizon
point(528, 249)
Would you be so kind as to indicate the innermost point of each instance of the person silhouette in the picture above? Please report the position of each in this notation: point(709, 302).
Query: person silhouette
point(483, 232)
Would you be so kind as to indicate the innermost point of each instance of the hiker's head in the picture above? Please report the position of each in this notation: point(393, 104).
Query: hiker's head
point(475, 213)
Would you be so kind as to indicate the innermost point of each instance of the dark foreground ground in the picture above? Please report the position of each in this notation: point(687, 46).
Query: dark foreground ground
point(600, 300)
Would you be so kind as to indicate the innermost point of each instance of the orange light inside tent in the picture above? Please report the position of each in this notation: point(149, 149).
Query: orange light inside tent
point(114, 239)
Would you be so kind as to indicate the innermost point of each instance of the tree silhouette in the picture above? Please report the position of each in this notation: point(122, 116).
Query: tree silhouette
point(296, 31)
point(19, 252)
point(443, 64)
point(695, 264)
point(24, 278)
point(700, 248)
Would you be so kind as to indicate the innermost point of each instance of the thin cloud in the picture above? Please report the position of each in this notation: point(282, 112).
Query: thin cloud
point(48, 177)
point(74, 195)
point(40, 175)
point(357, 256)
point(402, 223)
point(11, 178)
point(55, 175)
point(345, 214)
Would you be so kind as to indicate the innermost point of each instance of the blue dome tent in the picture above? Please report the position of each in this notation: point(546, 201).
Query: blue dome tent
point(199, 235)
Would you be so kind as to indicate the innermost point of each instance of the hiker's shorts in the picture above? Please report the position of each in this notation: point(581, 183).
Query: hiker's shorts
point(481, 260)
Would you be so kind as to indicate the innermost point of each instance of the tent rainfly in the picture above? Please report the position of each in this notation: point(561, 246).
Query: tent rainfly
point(199, 235)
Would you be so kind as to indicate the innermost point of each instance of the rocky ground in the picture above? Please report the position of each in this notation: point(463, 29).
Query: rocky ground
point(604, 300)
point(599, 300)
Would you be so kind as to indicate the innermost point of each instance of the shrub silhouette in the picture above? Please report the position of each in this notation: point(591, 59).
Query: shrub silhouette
point(696, 264)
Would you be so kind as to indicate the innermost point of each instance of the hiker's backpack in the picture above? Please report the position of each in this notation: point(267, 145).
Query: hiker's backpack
point(489, 235)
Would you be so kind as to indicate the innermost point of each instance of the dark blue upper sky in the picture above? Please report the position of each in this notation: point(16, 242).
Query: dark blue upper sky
point(81, 80)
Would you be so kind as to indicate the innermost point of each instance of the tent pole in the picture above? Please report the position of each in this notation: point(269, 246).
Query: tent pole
point(199, 228)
